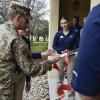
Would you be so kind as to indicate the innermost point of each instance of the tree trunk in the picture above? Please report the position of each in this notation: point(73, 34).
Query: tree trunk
point(37, 38)
point(44, 38)
point(14, 0)
point(32, 38)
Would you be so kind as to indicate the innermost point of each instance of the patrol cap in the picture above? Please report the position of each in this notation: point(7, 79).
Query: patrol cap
point(21, 8)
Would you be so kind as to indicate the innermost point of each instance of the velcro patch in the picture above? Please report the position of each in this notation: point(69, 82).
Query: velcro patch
point(25, 51)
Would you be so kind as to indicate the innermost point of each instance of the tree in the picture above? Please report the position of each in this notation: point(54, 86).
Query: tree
point(4, 4)
point(44, 29)
point(41, 30)
point(38, 11)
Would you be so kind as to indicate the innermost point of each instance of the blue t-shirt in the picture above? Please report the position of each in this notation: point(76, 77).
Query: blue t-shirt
point(87, 65)
point(76, 30)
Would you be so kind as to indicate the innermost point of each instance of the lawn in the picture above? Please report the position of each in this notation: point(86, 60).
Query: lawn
point(39, 46)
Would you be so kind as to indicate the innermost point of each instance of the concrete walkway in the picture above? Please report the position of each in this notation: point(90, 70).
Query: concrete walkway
point(52, 90)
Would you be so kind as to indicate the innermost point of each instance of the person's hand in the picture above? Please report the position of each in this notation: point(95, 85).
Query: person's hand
point(28, 86)
point(54, 60)
point(66, 50)
point(49, 52)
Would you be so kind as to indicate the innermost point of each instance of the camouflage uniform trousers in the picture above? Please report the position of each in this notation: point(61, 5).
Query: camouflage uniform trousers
point(6, 94)
point(19, 82)
point(6, 97)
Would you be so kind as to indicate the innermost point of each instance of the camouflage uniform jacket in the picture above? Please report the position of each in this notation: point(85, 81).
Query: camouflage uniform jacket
point(13, 50)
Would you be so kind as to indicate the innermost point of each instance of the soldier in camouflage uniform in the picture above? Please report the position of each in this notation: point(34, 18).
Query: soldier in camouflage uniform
point(19, 80)
point(14, 51)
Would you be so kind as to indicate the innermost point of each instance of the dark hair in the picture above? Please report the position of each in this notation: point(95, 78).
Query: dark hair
point(77, 18)
point(64, 18)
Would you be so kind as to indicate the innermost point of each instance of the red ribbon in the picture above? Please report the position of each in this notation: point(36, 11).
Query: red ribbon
point(66, 58)
point(63, 86)
point(56, 67)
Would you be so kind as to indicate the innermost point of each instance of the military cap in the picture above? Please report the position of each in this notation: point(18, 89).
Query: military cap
point(21, 8)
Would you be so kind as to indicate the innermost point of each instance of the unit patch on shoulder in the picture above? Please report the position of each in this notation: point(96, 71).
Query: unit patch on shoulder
point(25, 51)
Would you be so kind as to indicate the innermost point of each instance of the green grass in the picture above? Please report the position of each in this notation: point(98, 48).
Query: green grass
point(39, 46)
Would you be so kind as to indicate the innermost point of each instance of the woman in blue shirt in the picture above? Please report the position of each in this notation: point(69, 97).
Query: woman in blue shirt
point(65, 40)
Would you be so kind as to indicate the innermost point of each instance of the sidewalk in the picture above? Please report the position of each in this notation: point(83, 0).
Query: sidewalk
point(52, 90)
